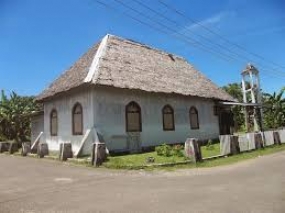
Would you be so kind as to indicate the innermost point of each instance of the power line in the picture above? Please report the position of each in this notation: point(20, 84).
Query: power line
point(159, 29)
point(196, 42)
point(204, 37)
point(217, 34)
point(181, 34)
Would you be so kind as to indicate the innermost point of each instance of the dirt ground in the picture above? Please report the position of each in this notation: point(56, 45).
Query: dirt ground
point(30, 185)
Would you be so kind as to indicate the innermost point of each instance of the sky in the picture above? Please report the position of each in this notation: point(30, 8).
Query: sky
point(40, 39)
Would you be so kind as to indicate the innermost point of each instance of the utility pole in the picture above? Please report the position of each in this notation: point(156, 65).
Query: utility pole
point(251, 86)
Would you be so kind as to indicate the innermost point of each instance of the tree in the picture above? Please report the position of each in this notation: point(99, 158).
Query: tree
point(274, 109)
point(15, 116)
point(234, 89)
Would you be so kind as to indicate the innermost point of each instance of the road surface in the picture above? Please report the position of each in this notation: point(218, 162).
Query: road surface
point(30, 185)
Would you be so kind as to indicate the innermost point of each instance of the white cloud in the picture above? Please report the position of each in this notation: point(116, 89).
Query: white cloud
point(208, 22)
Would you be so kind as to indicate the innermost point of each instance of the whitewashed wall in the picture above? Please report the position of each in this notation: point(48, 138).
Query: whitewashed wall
point(37, 126)
point(104, 109)
point(64, 105)
point(109, 116)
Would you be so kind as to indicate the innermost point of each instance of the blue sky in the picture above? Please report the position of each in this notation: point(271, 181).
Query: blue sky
point(40, 39)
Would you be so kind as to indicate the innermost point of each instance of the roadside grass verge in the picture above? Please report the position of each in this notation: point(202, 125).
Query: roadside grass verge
point(138, 161)
point(210, 151)
point(227, 160)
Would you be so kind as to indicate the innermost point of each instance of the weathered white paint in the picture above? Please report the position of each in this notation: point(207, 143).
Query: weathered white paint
point(282, 135)
point(82, 143)
point(37, 126)
point(64, 105)
point(109, 119)
point(93, 71)
point(251, 144)
point(104, 110)
point(90, 137)
point(268, 138)
point(37, 140)
point(243, 143)
point(225, 144)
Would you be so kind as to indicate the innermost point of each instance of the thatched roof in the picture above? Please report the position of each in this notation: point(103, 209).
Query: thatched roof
point(123, 63)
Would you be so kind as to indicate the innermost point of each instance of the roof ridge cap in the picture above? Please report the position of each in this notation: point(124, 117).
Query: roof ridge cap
point(93, 72)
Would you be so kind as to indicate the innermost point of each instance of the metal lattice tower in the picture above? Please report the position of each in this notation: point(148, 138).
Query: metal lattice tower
point(252, 95)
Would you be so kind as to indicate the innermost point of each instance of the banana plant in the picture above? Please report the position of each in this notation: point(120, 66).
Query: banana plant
point(274, 109)
point(15, 115)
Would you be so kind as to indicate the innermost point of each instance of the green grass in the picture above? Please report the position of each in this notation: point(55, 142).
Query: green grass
point(235, 158)
point(138, 161)
point(212, 150)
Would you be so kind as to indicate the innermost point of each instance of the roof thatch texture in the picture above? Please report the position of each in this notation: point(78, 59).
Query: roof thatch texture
point(72, 77)
point(131, 65)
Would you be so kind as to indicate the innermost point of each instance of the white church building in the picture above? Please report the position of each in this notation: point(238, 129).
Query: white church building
point(130, 96)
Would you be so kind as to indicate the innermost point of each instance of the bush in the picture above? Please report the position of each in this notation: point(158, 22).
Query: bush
point(177, 150)
point(167, 151)
point(163, 150)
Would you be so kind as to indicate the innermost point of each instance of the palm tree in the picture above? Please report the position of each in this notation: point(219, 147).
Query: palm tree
point(274, 109)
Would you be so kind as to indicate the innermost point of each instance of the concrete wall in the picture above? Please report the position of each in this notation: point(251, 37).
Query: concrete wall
point(104, 109)
point(37, 126)
point(109, 117)
point(64, 105)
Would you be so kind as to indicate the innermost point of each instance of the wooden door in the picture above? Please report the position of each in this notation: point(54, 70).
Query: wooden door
point(134, 142)
point(225, 122)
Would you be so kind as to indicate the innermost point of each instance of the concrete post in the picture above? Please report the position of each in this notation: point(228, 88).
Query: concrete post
point(276, 137)
point(258, 141)
point(42, 150)
point(4, 147)
point(192, 149)
point(13, 147)
point(26, 148)
point(234, 145)
point(65, 151)
point(98, 154)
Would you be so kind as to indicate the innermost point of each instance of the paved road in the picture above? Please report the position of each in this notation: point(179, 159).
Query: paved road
point(36, 185)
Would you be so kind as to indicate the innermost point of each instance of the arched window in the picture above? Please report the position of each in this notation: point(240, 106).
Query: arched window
point(53, 123)
point(168, 118)
point(133, 117)
point(194, 118)
point(77, 119)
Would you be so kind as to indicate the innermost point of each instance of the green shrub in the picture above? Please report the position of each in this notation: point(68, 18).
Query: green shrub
point(167, 151)
point(163, 150)
point(177, 150)
point(158, 150)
